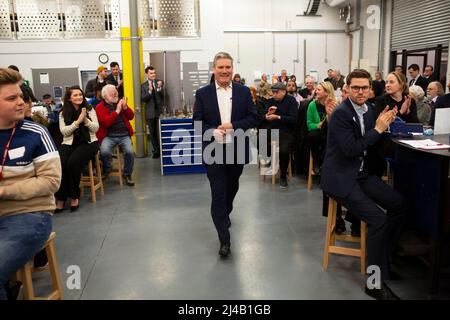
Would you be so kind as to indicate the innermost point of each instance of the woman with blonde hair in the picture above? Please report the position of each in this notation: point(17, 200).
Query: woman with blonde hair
point(316, 119)
point(397, 95)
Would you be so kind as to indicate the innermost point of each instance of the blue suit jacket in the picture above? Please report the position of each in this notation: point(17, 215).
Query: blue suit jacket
point(345, 149)
point(243, 114)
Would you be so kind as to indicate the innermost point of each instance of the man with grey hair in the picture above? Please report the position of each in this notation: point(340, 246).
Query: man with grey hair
point(308, 91)
point(114, 118)
point(223, 107)
point(339, 80)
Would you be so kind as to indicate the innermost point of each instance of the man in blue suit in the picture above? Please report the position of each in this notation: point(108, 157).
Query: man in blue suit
point(346, 176)
point(223, 108)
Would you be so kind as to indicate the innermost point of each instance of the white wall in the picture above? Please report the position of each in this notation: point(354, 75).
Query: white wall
point(217, 16)
point(255, 51)
point(84, 53)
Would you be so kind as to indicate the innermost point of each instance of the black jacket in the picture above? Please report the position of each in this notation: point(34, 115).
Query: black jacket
point(386, 100)
point(346, 148)
point(422, 82)
point(111, 80)
point(287, 110)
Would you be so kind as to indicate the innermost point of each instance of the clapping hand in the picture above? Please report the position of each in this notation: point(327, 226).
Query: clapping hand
point(385, 119)
point(271, 117)
point(82, 116)
point(405, 108)
point(219, 134)
point(330, 105)
point(124, 101)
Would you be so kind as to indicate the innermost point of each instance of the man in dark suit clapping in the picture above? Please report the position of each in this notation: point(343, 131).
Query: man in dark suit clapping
point(152, 96)
point(116, 78)
point(222, 108)
point(346, 176)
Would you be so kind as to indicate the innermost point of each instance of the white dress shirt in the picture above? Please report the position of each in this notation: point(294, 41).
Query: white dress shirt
point(360, 111)
point(224, 99)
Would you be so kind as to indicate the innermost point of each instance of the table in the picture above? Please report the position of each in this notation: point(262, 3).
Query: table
point(422, 176)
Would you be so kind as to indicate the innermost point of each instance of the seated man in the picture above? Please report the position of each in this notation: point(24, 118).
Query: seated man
point(282, 115)
point(346, 176)
point(30, 173)
point(115, 129)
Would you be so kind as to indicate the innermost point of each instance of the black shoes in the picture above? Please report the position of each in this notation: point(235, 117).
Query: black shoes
point(340, 226)
point(356, 229)
point(224, 250)
point(14, 292)
point(129, 181)
point(283, 183)
point(385, 293)
point(74, 208)
point(59, 210)
point(155, 155)
point(40, 261)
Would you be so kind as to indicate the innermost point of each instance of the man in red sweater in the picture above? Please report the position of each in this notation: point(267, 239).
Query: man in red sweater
point(115, 129)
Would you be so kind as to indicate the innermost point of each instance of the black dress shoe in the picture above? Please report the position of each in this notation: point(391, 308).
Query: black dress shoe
point(224, 250)
point(74, 208)
point(385, 293)
point(340, 226)
point(13, 292)
point(283, 183)
point(356, 231)
point(59, 210)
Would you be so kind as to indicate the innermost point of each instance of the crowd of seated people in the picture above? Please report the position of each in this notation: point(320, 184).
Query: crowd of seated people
point(80, 128)
point(300, 114)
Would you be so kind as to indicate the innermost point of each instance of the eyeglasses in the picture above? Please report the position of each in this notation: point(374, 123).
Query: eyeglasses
point(357, 89)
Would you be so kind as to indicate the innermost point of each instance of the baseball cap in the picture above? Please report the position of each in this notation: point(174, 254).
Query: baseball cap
point(278, 86)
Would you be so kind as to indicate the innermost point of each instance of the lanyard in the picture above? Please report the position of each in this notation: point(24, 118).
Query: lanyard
point(5, 154)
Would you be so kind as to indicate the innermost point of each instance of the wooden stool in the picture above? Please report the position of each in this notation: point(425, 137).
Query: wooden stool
point(94, 182)
point(310, 172)
point(331, 238)
point(25, 274)
point(275, 164)
point(117, 171)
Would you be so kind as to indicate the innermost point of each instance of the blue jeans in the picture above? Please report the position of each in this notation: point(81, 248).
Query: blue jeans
point(107, 148)
point(21, 237)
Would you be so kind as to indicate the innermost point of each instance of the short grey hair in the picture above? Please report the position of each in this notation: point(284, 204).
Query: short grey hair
point(440, 88)
point(222, 55)
point(106, 88)
point(417, 92)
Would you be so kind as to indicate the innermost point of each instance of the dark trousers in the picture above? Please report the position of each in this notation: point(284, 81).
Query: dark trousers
point(286, 147)
point(317, 144)
point(383, 229)
point(153, 125)
point(73, 159)
point(224, 182)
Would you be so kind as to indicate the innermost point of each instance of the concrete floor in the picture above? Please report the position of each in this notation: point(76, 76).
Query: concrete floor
point(157, 241)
